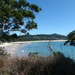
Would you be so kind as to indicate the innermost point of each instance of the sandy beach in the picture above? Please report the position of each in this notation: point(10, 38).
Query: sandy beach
point(11, 47)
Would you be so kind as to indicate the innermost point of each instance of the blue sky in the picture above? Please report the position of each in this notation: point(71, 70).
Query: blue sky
point(57, 16)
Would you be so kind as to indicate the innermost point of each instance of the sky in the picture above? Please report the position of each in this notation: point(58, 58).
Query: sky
point(57, 16)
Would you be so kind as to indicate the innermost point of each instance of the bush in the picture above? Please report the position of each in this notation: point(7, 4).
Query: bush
point(3, 52)
point(33, 54)
point(50, 65)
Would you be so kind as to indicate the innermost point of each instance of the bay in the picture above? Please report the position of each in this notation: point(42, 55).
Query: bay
point(42, 49)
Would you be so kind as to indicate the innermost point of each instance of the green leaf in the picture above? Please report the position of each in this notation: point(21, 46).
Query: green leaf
point(13, 14)
point(31, 25)
point(35, 8)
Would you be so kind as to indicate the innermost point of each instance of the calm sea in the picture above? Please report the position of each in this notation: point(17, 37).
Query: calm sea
point(41, 48)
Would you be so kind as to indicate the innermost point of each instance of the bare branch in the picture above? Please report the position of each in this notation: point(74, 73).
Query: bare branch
point(49, 47)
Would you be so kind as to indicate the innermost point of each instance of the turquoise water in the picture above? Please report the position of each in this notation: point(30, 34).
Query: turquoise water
point(40, 47)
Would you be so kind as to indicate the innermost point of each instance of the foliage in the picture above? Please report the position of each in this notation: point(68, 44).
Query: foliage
point(50, 65)
point(14, 36)
point(28, 37)
point(58, 53)
point(13, 13)
point(41, 37)
point(4, 74)
point(3, 52)
point(33, 54)
point(71, 38)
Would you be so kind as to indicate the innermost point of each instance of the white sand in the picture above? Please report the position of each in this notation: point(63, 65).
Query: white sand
point(5, 44)
point(10, 47)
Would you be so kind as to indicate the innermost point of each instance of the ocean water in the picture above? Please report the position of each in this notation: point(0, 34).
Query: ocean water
point(42, 49)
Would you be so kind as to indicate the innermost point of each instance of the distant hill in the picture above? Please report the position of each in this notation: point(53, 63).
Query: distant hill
point(43, 37)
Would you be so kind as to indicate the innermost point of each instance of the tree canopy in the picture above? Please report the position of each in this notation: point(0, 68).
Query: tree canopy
point(13, 13)
point(71, 38)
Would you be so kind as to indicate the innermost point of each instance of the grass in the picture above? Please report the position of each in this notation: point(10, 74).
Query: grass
point(33, 65)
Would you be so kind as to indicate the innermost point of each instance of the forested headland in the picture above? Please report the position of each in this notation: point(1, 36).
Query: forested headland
point(28, 37)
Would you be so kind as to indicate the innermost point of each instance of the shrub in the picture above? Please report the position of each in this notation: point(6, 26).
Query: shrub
point(3, 51)
point(49, 65)
point(33, 54)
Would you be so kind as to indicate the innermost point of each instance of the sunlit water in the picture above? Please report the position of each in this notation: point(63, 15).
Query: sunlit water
point(40, 47)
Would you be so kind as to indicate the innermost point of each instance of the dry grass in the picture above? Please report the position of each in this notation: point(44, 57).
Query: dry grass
point(51, 65)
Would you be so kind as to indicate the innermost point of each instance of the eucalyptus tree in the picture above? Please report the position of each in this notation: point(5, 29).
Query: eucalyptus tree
point(17, 15)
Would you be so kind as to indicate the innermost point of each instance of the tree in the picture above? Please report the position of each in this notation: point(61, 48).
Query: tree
point(71, 38)
point(23, 31)
point(14, 36)
point(13, 13)
point(28, 33)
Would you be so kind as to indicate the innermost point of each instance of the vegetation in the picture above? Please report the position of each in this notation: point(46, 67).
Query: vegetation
point(50, 65)
point(3, 52)
point(71, 38)
point(33, 54)
point(13, 13)
point(42, 37)
point(29, 37)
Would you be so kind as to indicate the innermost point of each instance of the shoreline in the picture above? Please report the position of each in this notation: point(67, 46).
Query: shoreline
point(11, 47)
